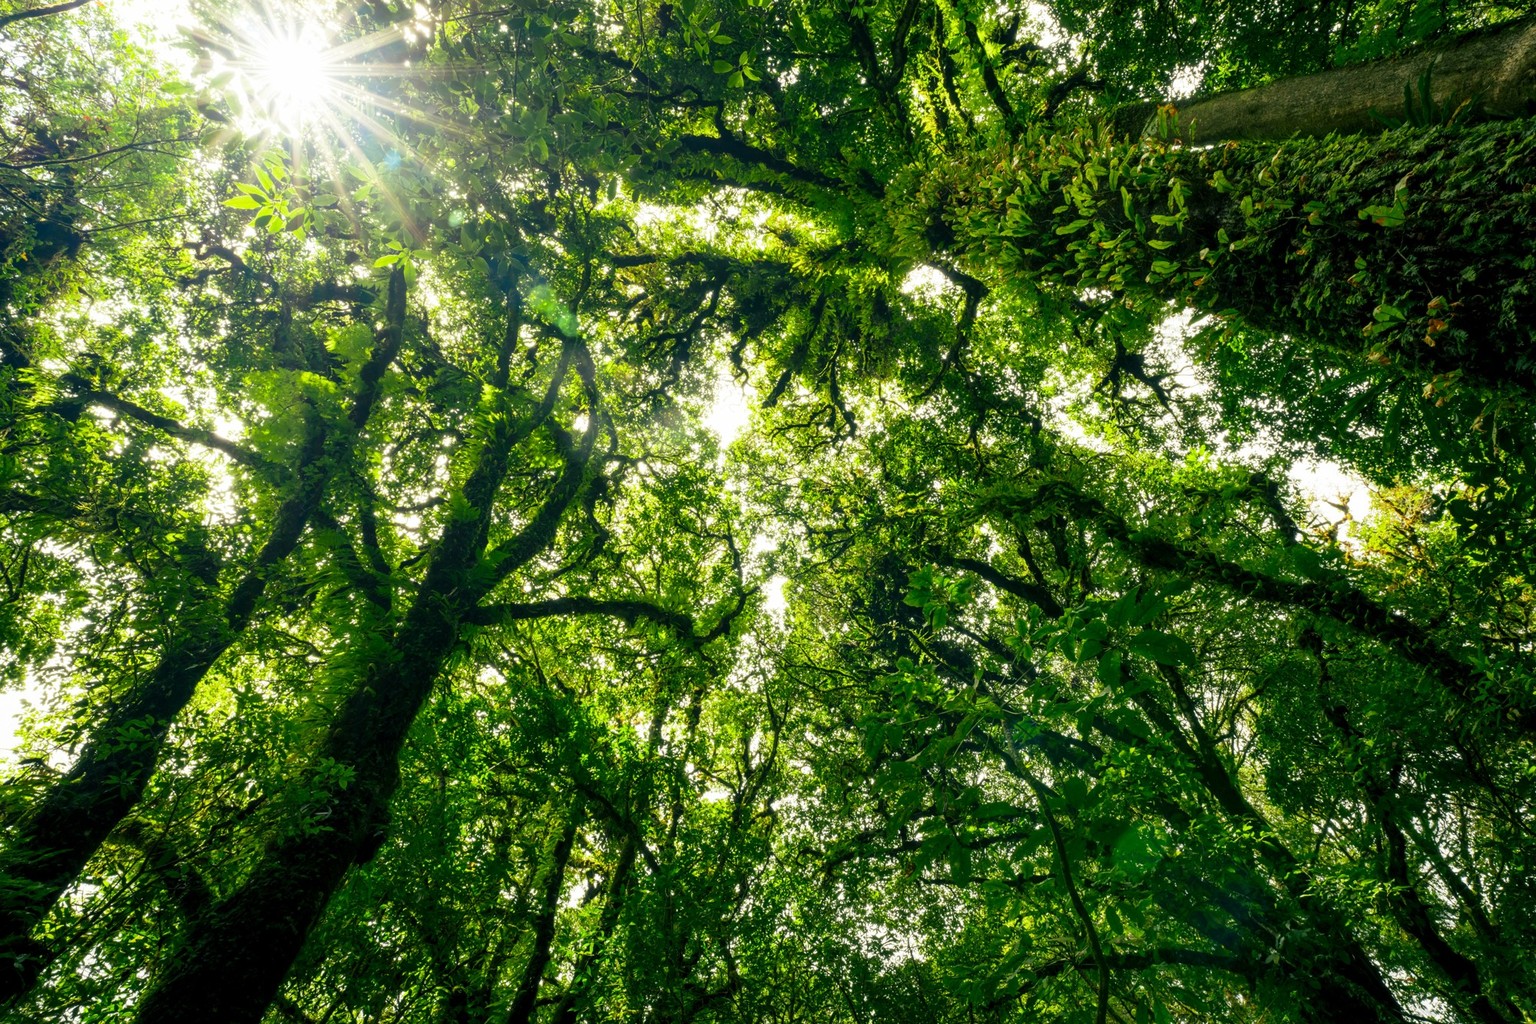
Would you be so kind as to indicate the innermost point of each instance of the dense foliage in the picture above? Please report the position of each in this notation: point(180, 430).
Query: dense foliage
point(741, 511)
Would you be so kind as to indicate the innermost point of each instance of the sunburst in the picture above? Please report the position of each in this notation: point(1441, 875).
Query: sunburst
point(318, 88)
point(292, 74)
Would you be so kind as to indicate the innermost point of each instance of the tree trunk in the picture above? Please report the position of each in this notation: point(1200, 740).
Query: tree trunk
point(524, 1002)
point(236, 957)
point(569, 1006)
point(50, 848)
point(1348, 987)
point(1493, 71)
point(74, 817)
point(1412, 248)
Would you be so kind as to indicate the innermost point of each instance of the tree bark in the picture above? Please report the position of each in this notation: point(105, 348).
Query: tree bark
point(51, 846)
point(41, 12)
point(1492, 70)
point(524, 1002)
point(235, 958)
point(1348, 986)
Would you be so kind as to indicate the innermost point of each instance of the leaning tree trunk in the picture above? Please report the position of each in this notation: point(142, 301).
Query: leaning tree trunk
point(552, 885)
point(235, 957)
point(48, 849)
point(1412, 247)
point(1491, 71)
point(50, 846)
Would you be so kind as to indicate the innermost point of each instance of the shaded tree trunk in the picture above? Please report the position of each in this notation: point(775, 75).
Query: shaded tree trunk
point(524, 1001)
point(50, 848)
point(235, 958)
point(52, 845)
point(569, 1006)
point(1348, 987)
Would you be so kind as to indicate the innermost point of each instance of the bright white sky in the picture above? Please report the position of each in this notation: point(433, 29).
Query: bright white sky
point(731, 410)
point(10, 718)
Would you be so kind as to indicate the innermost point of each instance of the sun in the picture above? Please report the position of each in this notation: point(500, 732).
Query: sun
point(292, 74)
point(284, 72)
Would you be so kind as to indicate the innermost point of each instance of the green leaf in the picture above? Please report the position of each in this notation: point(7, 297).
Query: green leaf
point(874, 739)
point(1163, 648)
point(1307, 562)
point(1136, 852)
point(993, 810)
point(242, 203)
point(723, 67)
point(1149, 607)
point(1109, 670)
point(960, 864)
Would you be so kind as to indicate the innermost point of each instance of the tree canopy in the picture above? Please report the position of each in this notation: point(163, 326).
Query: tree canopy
point(726, 510)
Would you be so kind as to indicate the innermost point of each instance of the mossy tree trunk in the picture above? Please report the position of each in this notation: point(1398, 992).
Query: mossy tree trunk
point(235, 957)
point(1415, 247)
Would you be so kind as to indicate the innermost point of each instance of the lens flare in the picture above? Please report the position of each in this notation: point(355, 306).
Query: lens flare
point(292, 74)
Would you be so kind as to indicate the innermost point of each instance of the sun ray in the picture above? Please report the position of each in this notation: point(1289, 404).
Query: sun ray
point(292, 72)
point(338, 105)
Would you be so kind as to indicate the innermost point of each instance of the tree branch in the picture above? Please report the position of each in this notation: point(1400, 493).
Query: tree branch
point(194, 435)
point(41, 12)
point(1034, 594)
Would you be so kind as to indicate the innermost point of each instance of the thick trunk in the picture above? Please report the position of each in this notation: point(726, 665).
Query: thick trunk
point(1412, 247)
point(1493, 71)
point(51, 846)
point(235, 958)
